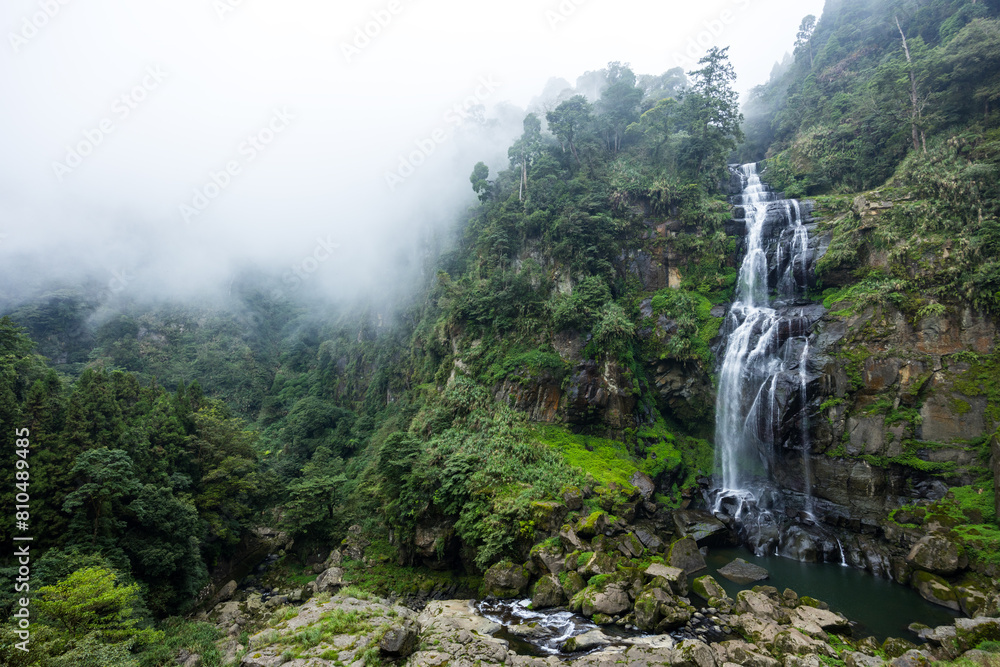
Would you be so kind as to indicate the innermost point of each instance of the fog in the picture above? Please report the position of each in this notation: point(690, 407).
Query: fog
point(165, 148)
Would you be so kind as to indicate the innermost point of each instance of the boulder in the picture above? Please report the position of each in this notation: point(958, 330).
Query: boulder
point(972, 600)
point(611, 601)
point(647, 608)
point(226, 592)
point(630, 546)
point(855, 659)
point(644, 483)
point(702, 527)
point(572, 583)
point(227, 613)
point(935, 554)
point(548, 593)
point(594, 524)
point(400, 641)
point(793, 642)
point(819, 622)
point(694, 653)
point(981, 658)
point(935, 589)
point(674, 576)
point(707, 588)
point(649, 540)
point(684, 554)
point(970, 632)
point(586, 641)
point(548, 557)
point(572, 498)
point(913, 658)
point(331, 579)
point(506, 580)
point(741, 572)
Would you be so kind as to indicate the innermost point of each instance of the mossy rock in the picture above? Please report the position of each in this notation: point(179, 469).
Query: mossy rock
point(708, 588)
point(935, 589)
point(971, 632)
point(592, 525)
point(506, 580)
point(572, 583)
point(894, 647)
point(603, 619)
point(548, 515)
point(813, 602)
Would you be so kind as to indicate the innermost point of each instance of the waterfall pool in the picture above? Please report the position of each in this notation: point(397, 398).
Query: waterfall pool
point(883, 608)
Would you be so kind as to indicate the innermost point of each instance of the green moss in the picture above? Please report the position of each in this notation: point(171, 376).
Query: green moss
point(606, 461)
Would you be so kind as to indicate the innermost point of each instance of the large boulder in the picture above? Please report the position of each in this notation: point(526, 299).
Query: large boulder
point(708, 588)
point(970, 632)
point(611, 601)
point(684, 554)
point(741, 572)
point(399, 642)
point(647, 608)
point(935, 589)
point(548, 593)
point(935, 554)
point(674, 576)
point(702, 527)
point(506, 580)
point(330, 580)
point(644, 484)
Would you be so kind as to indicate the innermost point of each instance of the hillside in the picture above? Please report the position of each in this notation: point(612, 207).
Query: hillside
point(540, 421)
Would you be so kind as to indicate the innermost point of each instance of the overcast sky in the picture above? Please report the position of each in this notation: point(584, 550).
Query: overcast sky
point(166, 143)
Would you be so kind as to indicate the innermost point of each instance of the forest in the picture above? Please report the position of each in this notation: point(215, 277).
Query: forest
point(567, 342)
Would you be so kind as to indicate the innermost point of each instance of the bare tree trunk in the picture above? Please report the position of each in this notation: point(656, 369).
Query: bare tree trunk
point(524, 178)
point(914, 97)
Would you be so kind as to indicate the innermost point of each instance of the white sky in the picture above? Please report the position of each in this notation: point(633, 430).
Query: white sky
point(228, 66)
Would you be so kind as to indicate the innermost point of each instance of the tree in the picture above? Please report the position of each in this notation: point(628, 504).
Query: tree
point(89, 602)
point(568, 121)
point(108, 479)
point(916, 112)
point(805, 33)
point(712, 112)
point(619, 104)
point(480, 184)
point(525, 150)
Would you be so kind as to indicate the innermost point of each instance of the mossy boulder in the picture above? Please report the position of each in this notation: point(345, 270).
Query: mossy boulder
point(572, 498)
point(647, 608)
point(971, 632)
point(663, 576)
point(707, 588)
point(506, 580)
point(605, 598)
point(548, 556)
point(972, 600)
point(935, 554)
point(631, 546)
point(592, 525)
point(894, 647)
point(935, 589)
point(684, 554)
point(597, 564)
point(548, 593)
point(548, 516)
point(572, 583)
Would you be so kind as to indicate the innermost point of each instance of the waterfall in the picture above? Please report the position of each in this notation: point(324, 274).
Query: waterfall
point(764, 371)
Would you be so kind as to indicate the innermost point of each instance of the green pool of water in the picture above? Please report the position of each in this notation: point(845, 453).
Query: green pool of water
point(882, 607)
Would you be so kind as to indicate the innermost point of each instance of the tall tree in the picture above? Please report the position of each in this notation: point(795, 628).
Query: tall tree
point(712, 113)
point(525, 150)
point(568, 121)
point(802, 37)
point(619, 104)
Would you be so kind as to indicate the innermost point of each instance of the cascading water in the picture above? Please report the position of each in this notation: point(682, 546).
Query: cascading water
point(764, 376)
